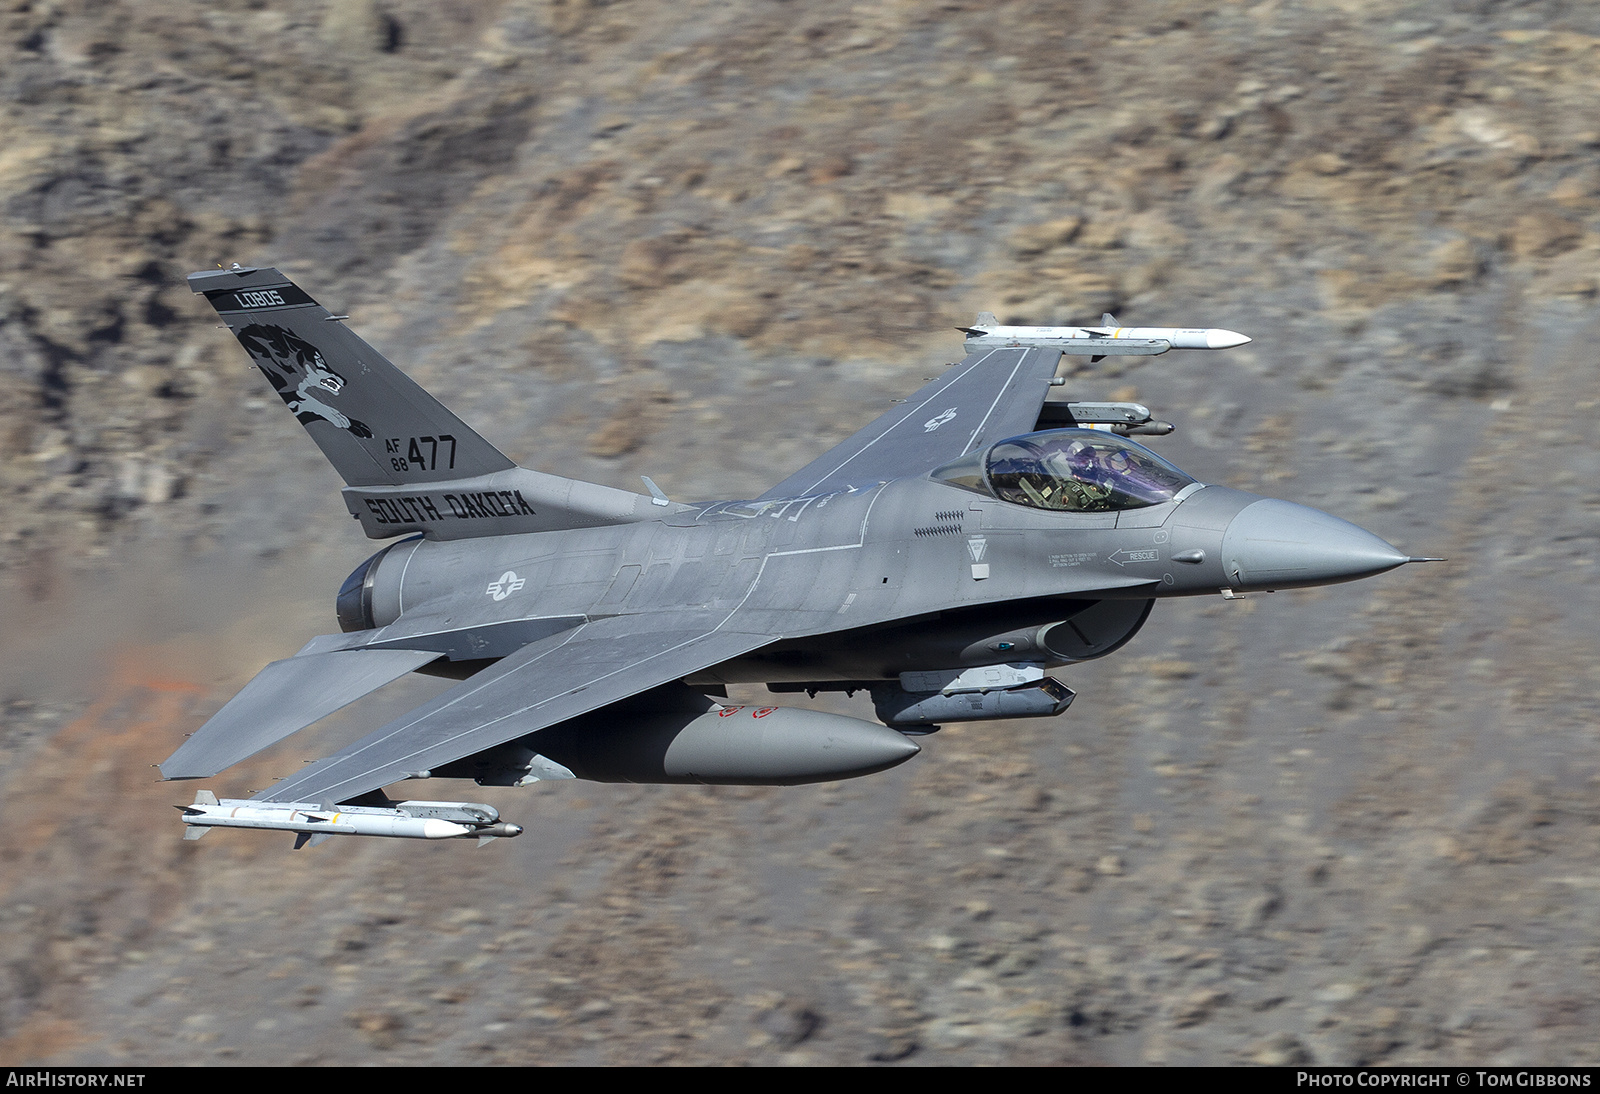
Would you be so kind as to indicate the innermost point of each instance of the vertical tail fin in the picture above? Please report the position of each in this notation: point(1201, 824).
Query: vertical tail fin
point(375, 424)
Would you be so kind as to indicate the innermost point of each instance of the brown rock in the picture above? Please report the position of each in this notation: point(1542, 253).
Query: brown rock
point(380, 1028)
point(1035, 239)
point(617, 437)
point(1576, 191)
point(744, 318)
point(1544, 234)
point(355, 25)
point(645, 263)
point(1454, 262)
point(1281, 1050)
point(1327, 163)
point(1576, 273)
point(790, 1023)
point(829, 168)
point(1102, 234)
point(1198, 1006)
point(633, 421)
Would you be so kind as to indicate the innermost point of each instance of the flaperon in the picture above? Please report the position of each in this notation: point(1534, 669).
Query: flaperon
point(944, 558)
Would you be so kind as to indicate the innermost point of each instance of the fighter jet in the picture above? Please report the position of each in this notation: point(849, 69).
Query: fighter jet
point(945, 559)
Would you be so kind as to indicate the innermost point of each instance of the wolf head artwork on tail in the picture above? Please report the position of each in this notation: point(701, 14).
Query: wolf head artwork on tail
point(409, 464)
point(375, 425)
point(298, 373)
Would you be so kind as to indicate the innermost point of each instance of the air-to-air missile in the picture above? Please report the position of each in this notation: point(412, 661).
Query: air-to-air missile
point(315, 823)
point(1106, 340)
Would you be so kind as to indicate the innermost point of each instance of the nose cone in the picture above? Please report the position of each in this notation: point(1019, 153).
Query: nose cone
point(1279, 545)
point(1217, 338)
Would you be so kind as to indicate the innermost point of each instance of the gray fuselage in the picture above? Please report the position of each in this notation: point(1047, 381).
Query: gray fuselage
point(905, 575)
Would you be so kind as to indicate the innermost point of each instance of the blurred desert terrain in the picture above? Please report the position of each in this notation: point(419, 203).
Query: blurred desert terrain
point(704, 241)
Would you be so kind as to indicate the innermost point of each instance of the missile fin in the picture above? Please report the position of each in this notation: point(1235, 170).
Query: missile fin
point(204, 797)
point(194, 832)
point(985, 319)
point(1108, 320)
point(301, 839)
point(486, 839)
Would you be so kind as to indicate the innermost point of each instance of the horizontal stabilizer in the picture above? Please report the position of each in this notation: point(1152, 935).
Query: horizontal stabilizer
point(284, 698)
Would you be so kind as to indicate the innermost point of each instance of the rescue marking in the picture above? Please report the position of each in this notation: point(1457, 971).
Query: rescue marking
point(1123, 555)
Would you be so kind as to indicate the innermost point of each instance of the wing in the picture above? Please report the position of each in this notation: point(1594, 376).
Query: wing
point(284, 698)
point(544, 683)
point(992, 394)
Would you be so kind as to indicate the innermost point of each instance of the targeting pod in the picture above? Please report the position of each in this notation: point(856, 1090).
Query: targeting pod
point(924, 699)
point(1123, 419)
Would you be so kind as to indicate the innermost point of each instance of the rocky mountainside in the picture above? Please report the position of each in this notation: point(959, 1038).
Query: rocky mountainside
point(704, 241)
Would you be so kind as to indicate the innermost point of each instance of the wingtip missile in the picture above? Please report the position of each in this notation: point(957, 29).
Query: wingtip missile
point(1106, 340)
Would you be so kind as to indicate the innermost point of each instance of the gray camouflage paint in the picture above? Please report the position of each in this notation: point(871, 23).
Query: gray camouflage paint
point(854, 569)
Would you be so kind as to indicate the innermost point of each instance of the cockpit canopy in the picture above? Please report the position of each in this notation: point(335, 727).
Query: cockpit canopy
point(1069, 470)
